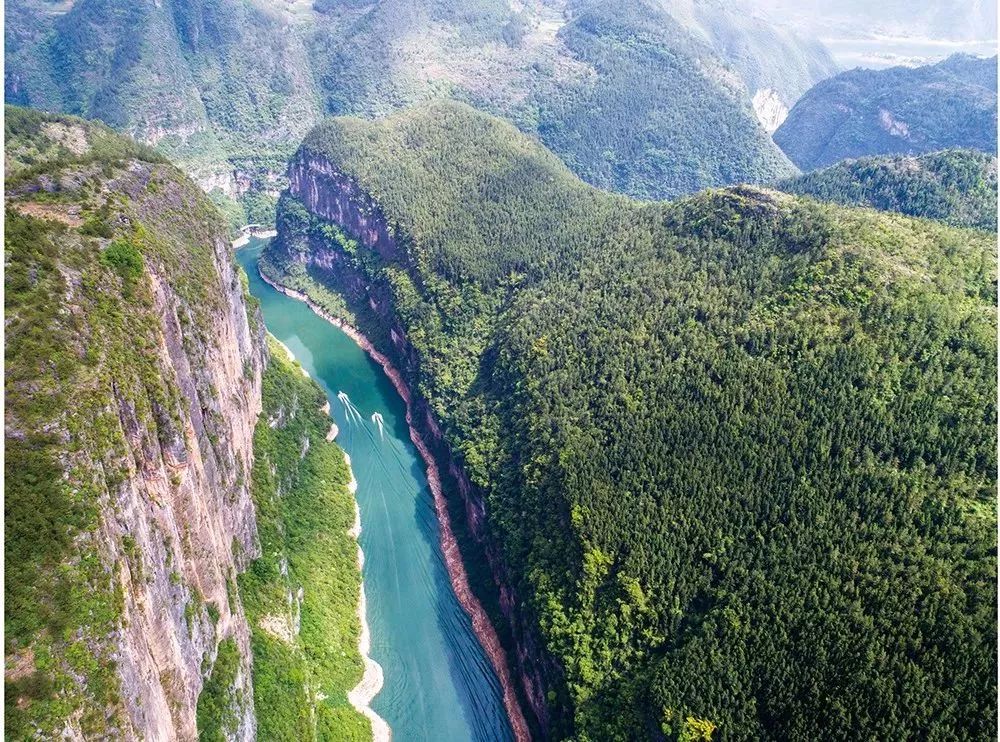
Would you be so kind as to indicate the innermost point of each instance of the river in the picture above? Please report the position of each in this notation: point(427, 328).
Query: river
point(439, 683)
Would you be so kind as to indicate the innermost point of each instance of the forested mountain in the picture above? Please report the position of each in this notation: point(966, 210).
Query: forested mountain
point(738, 451)
point(223, 88)
point(957, 187)
point(895, 111)
point(153, 526)
point(651, 98)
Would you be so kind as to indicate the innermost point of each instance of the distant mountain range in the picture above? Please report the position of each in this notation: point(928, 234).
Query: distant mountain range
point(895, 111)
point(650, 98)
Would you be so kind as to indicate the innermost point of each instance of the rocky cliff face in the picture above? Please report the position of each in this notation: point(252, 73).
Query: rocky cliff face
point(186, 507)
point(770, 109)
point(139, 417)
point(334, 197)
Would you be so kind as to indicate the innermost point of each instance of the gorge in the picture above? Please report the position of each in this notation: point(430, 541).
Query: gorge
point(462, 446)
point(437, 678)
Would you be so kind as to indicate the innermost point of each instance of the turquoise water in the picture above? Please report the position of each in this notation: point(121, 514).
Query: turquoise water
point(439, 684)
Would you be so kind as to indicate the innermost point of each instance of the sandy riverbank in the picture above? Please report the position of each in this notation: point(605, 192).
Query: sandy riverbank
point(244, 238)
point(371, 681)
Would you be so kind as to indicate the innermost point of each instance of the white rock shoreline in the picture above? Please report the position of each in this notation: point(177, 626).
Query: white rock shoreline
point(371, 681)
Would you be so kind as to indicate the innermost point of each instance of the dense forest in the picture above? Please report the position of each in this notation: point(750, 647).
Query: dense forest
point(901, 110)
point(958, 187)
point(738, 450)
point(653, 123)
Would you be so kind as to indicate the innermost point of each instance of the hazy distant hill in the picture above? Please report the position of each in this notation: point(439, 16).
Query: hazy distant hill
point(861, 33)
point(777, 65)
point(955, 186)
point(899, 110)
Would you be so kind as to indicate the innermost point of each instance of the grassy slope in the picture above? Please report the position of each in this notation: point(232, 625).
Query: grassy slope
point(731, 446)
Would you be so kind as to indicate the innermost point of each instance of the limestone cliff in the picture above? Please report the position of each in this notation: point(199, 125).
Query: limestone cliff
point(133, 388)
point(770, 109)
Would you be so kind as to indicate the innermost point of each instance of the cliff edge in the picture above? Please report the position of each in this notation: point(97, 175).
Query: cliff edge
point(133, 387)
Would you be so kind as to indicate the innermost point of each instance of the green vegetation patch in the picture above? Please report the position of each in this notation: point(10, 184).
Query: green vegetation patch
point(38, 143)
point(218, 702)
point(125, 258)
point(304, 512)
point(958, 187)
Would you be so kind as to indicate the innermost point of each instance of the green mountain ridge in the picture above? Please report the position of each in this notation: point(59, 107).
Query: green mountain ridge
point(958, 187)
point(899, 110)
point(737, 451)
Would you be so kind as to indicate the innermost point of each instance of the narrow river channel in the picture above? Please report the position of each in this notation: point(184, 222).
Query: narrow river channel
point(439, 683)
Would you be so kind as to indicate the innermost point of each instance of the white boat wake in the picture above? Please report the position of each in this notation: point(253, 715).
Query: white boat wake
point(352, 412)
point(377, 419)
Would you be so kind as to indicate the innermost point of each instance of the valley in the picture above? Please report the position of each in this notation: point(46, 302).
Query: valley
point(500, 370)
